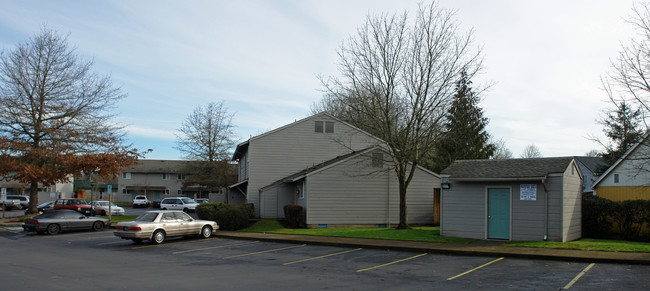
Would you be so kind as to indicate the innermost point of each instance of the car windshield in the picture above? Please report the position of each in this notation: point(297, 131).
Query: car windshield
point(45, 204)
point(149, 217)
point(102, 203)
point(188, 200)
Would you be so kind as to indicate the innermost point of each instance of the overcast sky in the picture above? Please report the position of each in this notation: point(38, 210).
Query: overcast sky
point(262, 59)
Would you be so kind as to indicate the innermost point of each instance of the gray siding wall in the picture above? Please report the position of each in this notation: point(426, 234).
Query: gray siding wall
point(355, 193)
point(296, 147)
point(572, 205)
point(464, 210)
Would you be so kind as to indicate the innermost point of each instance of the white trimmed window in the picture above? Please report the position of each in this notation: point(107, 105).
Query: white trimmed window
point(126, 175)
point(165, 176)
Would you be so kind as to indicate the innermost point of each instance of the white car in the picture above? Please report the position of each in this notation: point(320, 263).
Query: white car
point(101, 208)
point(178, 203)
point(156, 225)
point(140, 201)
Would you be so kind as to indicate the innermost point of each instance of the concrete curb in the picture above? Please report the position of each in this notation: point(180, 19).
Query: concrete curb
point(480, 248)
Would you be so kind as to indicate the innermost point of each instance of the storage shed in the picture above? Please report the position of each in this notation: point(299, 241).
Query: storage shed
point(512, 199)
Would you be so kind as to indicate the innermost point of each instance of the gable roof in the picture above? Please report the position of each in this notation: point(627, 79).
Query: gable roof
point(158, 166)
point(241, 148)
point(507, 169)
point(643, 140)
point(333, 162)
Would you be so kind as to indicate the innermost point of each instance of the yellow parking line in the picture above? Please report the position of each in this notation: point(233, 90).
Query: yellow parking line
point(472, 270)
point(172, 243)
point(395, 262)
point(578, 276)
point(325, 256)
point(267, 251)
point(216, 247)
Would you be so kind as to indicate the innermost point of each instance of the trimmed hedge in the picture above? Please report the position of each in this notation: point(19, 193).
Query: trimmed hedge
point(229, 217)
point(293, 214)
point(603, 218)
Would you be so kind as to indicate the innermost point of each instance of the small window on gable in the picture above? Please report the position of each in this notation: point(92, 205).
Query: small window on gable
point(615, 178)
point(329, 126)
point(377, 160)
point(318, 126)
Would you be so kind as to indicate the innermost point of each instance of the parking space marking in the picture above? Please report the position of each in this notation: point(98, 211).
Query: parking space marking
point(172, 243)
point(267, 251)
point(578, 276)
point(472, 270)
point(395, 262)
point(215, 247)
point(320, 257)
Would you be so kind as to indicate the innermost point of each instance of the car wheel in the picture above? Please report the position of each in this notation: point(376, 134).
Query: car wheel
point(137, 240)
point(158, 237)
point(103, 212)
point(98, 225)
point(53, 229)
point(206, 232)
point(163, 208)
point(186, 210)
point(20, 207)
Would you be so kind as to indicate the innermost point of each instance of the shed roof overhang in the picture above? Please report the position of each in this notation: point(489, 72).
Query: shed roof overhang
point(508, 179)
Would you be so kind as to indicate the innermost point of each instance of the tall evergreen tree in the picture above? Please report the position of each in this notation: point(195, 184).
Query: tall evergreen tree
point(623, 127)
point(464, 136)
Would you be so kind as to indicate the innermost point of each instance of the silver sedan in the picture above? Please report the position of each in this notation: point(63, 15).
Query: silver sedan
point(156, 225)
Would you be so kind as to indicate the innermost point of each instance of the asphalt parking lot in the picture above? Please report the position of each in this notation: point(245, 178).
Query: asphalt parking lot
point(99, 260)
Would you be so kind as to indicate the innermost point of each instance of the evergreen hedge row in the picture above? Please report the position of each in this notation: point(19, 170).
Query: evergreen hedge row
point(606, 219)
point(227, 216)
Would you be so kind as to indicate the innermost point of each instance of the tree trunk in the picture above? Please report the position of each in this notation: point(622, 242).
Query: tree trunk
point(33, 197)
point(403, 215)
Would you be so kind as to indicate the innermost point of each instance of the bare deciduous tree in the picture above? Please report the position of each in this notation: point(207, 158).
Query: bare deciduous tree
point(631, 69)
point(55, 117)
point(398, 75)
point(206, 137)
point(501, 152)
point(207, 133)
point(531, 151)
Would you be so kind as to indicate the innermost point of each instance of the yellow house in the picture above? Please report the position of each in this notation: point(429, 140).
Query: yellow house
point(629, 177)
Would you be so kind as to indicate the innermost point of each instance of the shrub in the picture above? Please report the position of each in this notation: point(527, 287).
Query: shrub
point(293, 214)
point(603, 218)
point(596, 222)
point(229, 217)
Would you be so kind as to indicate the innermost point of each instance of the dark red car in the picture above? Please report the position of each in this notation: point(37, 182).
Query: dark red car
point(75, 204)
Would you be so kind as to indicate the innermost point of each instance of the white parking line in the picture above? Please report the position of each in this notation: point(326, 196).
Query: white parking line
point(325, 256)
point(216, 247)
point(267, 251)
point(578, 276)
point(395, 262)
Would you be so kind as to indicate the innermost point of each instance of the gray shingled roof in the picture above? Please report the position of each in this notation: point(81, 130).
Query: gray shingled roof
point(506, 169)
point(158, 166)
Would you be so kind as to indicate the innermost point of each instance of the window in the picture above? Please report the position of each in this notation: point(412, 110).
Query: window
point(615, 178)
point(126, 176)
point(165, 176)
point(181, 177)
point(166, 192)
point(180, 192)
point(324, 126)
point(329, 126)
point(377, 160)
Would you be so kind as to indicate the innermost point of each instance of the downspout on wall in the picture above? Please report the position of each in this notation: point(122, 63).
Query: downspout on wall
point(545, 209)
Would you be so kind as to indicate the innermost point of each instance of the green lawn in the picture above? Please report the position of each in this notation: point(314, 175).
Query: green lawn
point(589, 244)
point(429, 234)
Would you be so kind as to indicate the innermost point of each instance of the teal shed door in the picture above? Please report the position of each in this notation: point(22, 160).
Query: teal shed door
point(499, 213)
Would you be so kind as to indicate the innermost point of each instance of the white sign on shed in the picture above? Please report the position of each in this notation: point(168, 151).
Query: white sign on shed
point(528, 192)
